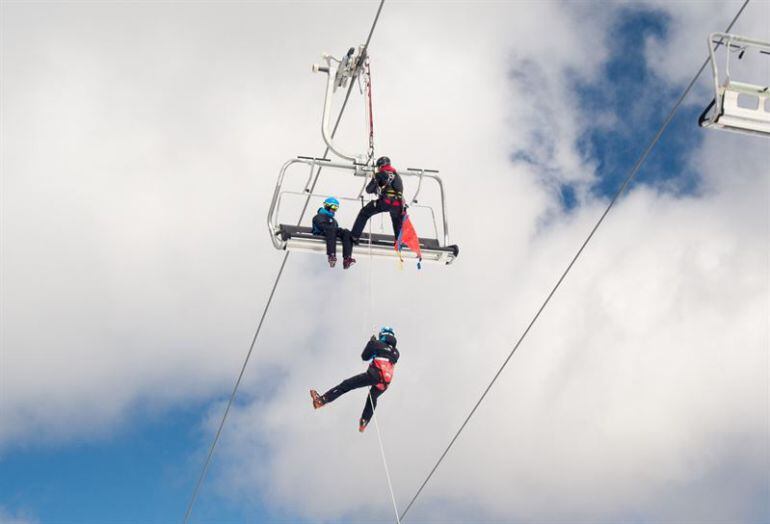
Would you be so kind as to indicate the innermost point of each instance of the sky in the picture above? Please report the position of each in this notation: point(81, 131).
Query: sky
point(140, 146)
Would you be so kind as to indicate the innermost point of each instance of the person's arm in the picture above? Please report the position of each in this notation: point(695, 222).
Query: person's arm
point(321, 225)
point(373, 186)
point(316, 225)
point(370, 348)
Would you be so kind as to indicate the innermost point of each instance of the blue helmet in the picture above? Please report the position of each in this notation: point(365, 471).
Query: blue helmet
point(332, 204)
point(385, 331)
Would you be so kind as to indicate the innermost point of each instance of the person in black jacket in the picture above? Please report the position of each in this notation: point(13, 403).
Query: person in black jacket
point(384, 355)
point(324, 224)
point(387, 183)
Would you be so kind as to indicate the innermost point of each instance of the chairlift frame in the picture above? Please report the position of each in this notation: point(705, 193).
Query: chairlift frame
point(300, 238)
point(297, 237)
point(339, 73)
point(724, 112)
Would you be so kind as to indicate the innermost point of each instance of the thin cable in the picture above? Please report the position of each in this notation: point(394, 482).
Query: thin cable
point(620, 191)
point(384, 461)
point(374, 24)
point(374, 412)
point(370, 323)
point(371, 278)
point(210, 454)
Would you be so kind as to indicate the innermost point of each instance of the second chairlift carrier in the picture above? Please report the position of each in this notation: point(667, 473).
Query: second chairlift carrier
point(296, 237)
point(737, 106)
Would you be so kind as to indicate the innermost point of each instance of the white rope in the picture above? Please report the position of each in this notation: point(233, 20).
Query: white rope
point(374, 412)
point(385, 462)
point(370, 316)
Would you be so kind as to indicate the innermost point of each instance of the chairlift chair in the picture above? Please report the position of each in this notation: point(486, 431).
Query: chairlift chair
point(296, 237)
point(737, 106)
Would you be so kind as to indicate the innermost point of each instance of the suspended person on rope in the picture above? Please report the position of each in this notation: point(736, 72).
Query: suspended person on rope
point(387, 183)
point(384, 355)
point(325, 225)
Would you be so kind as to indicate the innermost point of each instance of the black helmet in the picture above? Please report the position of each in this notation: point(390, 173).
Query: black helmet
point(383, 161)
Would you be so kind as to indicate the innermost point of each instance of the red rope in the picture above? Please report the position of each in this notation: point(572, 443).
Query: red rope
point(371, 115)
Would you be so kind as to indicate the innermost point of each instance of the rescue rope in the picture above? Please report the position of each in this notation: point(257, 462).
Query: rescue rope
point(617, 195)
point(384, 461)
point(210, 454)
point(370, 319)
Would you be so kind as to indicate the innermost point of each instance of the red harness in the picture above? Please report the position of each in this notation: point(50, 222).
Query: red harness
point(396, 202)
point(385, 369)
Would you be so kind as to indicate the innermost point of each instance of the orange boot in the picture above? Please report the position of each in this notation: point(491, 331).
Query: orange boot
point(318, 400)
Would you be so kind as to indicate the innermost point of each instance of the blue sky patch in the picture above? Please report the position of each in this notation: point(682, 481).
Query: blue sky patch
point(637, 100)
point(145, 474)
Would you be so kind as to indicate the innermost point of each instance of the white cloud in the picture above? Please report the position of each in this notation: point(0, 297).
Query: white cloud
point(136, 184)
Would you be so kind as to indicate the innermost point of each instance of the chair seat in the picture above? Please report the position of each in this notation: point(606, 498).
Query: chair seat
point(301, 238)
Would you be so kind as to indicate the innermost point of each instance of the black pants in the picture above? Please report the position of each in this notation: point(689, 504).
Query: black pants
point(370, 378)
point(373, 208)
point(332, 234)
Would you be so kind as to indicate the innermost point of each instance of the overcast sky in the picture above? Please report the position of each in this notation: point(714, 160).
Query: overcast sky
point(141, 142)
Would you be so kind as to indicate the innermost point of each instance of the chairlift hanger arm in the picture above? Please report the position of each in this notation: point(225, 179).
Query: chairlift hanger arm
point(338, 73)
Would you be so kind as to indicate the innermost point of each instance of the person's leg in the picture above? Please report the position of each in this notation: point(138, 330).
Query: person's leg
point(357, 381)
point(367, 212)
point(397, 217)
point(330, 232)
point(347, 243)
point(371, 403)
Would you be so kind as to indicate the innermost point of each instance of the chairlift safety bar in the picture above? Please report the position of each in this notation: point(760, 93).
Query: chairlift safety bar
point(728, 40)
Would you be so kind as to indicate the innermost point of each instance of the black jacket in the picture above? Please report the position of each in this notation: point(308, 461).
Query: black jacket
point(322, 221)
point(375, 348)
point(387, 183)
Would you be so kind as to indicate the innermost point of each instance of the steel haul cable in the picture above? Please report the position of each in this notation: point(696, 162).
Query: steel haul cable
point(617, 195)
point(210, 454)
